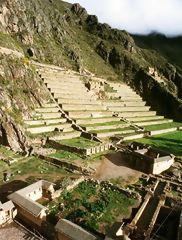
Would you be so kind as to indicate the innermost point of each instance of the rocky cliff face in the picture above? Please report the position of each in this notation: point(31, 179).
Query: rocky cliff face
point(63, 34)
point(20, 92)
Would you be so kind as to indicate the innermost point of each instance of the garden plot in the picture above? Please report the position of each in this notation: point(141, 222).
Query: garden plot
point(92, 205)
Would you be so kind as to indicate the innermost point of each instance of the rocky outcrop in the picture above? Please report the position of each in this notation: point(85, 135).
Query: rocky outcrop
point(157, 96)
point(79, 11)
point(103, 51)
point(11, 134)
point(20, 92)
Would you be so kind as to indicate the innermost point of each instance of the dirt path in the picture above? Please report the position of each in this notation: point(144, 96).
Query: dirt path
point(112, 166)
point(14, 232)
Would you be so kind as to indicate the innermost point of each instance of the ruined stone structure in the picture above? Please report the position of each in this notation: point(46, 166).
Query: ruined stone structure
point(148, 159)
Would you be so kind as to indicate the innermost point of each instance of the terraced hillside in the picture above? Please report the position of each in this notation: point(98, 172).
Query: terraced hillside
point(77, 108)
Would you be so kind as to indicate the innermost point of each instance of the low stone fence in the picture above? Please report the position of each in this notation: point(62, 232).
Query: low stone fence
point(67, 165)
point(83, 151)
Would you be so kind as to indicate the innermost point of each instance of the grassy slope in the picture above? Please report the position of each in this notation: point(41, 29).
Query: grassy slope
point(168, 47)
point(31, 167)
point(170, 142)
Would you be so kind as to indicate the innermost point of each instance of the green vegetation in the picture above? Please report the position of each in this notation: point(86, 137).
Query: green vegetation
point(66, 155)
point(168, 47)
point(163, 126)
point(30, 167)
point(69, 156)
point(170, 142)
point(113, 130)
point(92, 206)
point(9, 42)
point(80, 142)
point(104, 124)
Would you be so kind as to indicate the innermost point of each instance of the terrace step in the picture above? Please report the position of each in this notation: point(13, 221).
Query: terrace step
point(50, 128)
point(49, 105)
point(154, 122)
point(71, 96)
point(129, 109)
point(125, 93)
point(112, 133)
point(88, 114)
point(137, 114)
point(45, 121)
point(49, 115)
point(112, 103)
point(70, 92)
point(68, 135)
point(61, 74)
point(128, 99)
point(83, 107)
point(128, 137)
point(97, 120)
point(46, 110)
point(76, 101)
point(162, 131)
point(57, 88)
point(57, 80)
point(65, 85)
point(139, 119)
point(105, 127)
point(124, 96)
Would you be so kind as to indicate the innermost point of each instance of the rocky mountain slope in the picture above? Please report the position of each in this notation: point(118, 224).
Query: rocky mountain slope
point(59, 33)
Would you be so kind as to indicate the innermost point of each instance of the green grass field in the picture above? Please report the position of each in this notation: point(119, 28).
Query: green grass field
point(31, 167)
point(170, 142)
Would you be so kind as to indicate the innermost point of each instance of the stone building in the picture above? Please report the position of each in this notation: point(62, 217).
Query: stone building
point(148, 159)
point(7, 212)
point(26, 201)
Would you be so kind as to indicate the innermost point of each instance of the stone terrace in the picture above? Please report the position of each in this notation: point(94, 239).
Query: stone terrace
point(120, 112)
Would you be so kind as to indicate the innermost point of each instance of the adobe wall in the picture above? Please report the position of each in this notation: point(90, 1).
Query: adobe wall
point(29, 218)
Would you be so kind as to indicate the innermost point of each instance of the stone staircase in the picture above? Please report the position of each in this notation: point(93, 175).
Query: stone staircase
point(122, 112)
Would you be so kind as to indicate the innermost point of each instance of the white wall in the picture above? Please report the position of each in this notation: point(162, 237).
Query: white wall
point(160, 167)
point(35, 194)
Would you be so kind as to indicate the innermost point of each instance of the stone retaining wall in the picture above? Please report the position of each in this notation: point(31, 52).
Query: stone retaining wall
point(84, 151)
